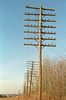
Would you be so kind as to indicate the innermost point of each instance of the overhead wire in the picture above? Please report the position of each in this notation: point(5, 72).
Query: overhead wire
point(28, 49)
point(29, 1)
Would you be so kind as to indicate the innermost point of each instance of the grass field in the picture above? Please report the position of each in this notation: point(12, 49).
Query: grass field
point(13, 98)
point(45, 97)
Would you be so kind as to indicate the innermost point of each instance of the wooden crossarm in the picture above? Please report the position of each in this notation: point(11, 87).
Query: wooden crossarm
point(31, 13)
point(32, 7)
point(39, 14)
point(41, 45)
point(48, 9)
point(31, 32)
point(48, 33)
point(49, 14)
point(38, 20)
point(31, 25)
point(31, 19)
point(39, 8)
point(49, 26)
point(42, 38)
point(49, 20)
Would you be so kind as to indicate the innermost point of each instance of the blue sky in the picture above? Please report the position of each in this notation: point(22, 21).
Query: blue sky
point(13, 54)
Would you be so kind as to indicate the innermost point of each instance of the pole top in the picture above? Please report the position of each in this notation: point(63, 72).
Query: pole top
point(40, 6)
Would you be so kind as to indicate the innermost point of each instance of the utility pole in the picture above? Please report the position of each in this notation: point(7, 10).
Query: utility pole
point(24, 88)
point(26, 84)
point(40, 37)
point(31, 76)
point(27, 80)
point(18, 94)
point(40, 67)
point(31, 65)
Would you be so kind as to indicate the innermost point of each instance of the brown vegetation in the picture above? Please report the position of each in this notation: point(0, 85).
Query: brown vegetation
point(53, 82)
point(54, 79)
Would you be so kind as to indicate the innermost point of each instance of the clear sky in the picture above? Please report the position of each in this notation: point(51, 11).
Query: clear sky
point(13, 53)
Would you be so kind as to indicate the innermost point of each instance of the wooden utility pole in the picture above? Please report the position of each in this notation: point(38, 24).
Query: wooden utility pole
point(32, 72)
point(18, 94)
point(26, 83)
point(24, 88)
point(31, 76)
point(27, 80)
point(31, 65)
point(39, 36)
point(40, 67)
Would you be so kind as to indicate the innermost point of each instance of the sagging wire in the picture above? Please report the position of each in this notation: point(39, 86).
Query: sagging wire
point(37, 47)
point(36, 28)
point(36, 22)
point(36, 35)
point(29, 2)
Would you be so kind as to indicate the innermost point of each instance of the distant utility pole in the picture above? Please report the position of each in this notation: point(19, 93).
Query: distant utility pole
point(40, 37)
point(18, 94)
point(24, 87)
point(27, 80)
point(31, 65)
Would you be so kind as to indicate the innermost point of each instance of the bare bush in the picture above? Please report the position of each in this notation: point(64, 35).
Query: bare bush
point(54, 78)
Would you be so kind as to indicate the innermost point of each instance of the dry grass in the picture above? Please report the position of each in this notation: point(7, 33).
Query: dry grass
point(45, 97)
point(54, 78)
point(13, 98)
point(16, 98)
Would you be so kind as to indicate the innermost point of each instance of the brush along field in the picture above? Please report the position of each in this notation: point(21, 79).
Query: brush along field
point(20, 98)
point(44, 97)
